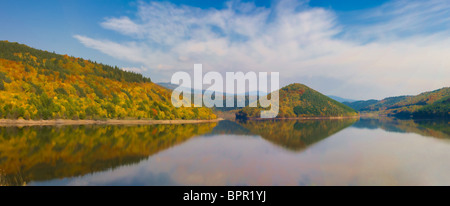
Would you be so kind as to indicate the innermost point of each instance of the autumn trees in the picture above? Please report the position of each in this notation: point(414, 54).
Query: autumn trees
point(36, 84)
point(298, 100)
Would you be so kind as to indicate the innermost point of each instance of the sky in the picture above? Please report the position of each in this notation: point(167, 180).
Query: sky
point(358, 49)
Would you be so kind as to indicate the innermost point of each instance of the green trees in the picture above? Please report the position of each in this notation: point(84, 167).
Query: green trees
point(62, 63)
point(3, 79)
point(61, 91)
point(433, 104)
point(439, 109)
point(298, 110)
point(36, 84)
point(44, 106)
point(241, 115)
point(80, 91)
point(298, 100)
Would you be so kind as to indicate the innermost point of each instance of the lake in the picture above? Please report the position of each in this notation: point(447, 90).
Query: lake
point(272, 152)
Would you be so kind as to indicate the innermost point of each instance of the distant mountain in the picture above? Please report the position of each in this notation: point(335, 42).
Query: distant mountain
point(167, 85)
point(247, 95)
point(298, 100)
point(171, 86)
point(340, 99)
point(425, 105)
point(36, 84)
point(359, 105)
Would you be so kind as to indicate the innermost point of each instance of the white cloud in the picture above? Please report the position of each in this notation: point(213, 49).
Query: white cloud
point(393, 54)
point(123, 25)
point(129, 51)
point(141, 69)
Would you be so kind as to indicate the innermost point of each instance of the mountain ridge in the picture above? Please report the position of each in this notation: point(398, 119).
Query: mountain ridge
point(428, 104)
point(341, 99)
point(298, 100)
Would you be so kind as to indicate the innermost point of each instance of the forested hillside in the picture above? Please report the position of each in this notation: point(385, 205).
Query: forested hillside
point(36, 84)
point(298, 100)
point(434, 104)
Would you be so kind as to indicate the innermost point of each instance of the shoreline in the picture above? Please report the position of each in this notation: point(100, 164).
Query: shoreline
point(21, 122)
point(306, 118)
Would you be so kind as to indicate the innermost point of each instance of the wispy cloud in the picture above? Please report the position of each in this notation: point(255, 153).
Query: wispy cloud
point(141, 69)
point(400, 47)
point(401, 18)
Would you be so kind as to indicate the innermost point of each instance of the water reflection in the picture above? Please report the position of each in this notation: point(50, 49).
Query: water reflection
point(230, 127)
point(286, 152)
point(296, 135)
point(43, 153)
point(431, 128)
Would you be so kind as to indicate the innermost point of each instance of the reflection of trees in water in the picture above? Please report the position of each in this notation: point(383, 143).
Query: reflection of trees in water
point(296, 135)
point(42, 153)
point(11, 180)
point(431, 128)
point(230, 127)
point(436, 126)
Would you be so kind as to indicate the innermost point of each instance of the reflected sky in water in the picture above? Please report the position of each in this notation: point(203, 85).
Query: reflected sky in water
point(290, 152)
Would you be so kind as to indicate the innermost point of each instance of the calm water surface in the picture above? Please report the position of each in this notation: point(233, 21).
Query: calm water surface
point(288, 152)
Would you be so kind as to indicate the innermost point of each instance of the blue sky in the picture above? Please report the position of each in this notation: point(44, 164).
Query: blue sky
point(352, 48)
point(51, 24)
